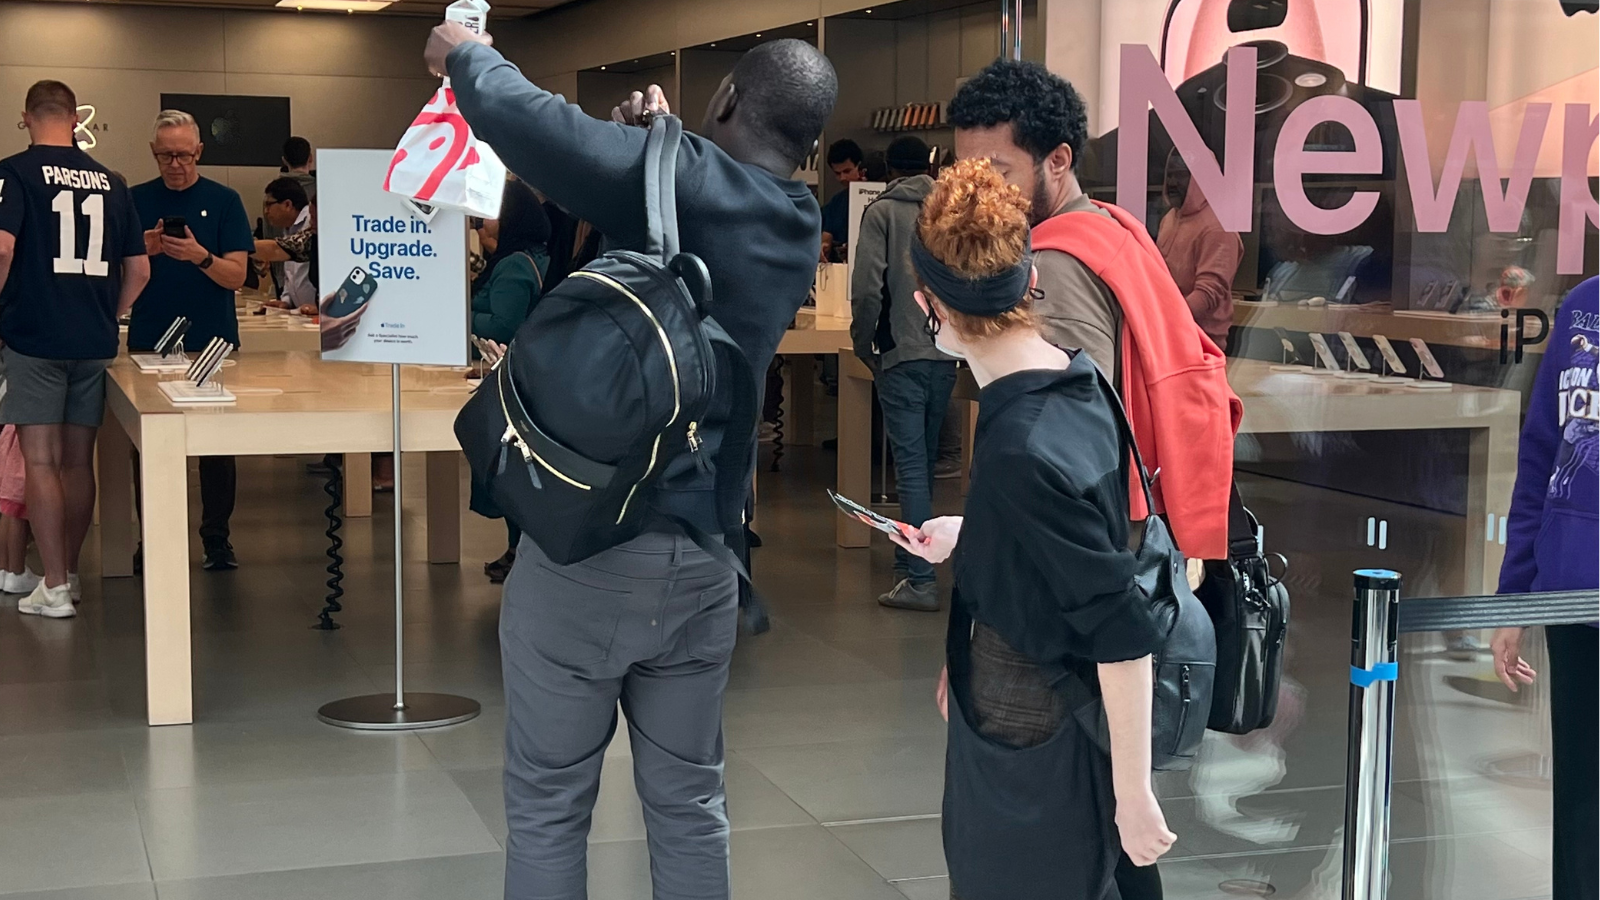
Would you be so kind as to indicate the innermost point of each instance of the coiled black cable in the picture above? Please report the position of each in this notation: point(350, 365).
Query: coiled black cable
point(777, 424)
point(335, 491)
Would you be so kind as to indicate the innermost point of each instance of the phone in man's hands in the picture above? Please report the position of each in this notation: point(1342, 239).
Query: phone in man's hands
point(174, 226)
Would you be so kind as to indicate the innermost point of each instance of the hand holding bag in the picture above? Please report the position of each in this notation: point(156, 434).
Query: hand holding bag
point(441, 164)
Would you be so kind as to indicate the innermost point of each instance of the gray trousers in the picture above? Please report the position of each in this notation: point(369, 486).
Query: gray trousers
point(650, 624)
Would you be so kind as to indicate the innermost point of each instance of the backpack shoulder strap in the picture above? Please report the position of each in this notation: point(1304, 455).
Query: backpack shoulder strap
point(660, 186)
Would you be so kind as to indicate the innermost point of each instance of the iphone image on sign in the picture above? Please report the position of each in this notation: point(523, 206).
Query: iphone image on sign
point(357, 289)
point(1425, 358)
point(1389, 356)
point(1324, 352)
point(1357, 356)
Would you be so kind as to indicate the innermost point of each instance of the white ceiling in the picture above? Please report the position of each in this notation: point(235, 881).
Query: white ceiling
point(500, 8)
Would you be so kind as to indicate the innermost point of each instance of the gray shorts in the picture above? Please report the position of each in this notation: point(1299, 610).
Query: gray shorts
point(53, 391)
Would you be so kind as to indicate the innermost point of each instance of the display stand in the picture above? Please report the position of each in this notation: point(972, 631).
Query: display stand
point(400, 711)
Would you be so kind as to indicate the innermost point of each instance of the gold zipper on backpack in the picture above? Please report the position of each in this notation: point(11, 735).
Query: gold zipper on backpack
point(512, 437)
point(672, 366)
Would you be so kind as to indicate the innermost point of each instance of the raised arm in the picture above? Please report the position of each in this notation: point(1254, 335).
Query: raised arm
point(593, 169)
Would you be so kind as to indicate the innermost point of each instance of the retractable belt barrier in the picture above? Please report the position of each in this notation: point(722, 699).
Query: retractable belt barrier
point(1378, 620)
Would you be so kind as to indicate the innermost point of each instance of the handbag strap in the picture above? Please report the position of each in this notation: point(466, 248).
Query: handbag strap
point(660, 187)
point(1242, 541)
point(1125, 431)
point(538, 276)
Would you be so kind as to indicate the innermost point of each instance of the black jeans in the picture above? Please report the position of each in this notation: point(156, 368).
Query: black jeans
point(914, 395)
point(1575, 746)
point(219, 484)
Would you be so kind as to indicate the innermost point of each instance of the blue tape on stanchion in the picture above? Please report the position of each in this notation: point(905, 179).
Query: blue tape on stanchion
point(1365, 678)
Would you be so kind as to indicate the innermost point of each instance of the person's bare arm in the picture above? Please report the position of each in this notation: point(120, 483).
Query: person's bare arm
point(135, 275)
point(8, 251)
point(1126, 688)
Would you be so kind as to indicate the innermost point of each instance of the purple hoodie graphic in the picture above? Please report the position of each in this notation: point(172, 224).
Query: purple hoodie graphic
point(1553, 536)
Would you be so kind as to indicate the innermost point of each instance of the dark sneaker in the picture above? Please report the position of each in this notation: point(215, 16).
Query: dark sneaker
point(947, 468)
point(500, 568)
point(919, 597)
point(220, 559)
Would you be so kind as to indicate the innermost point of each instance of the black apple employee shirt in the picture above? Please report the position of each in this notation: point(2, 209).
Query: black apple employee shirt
point(759, 234)
point(216, 217)
point(74, 225)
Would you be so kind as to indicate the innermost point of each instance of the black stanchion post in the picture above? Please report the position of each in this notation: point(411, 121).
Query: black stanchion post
point(1374, 666)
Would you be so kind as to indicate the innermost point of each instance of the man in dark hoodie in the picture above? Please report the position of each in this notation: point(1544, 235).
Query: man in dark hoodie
point(649, 625)
point(889, 333)
point(1551, 536)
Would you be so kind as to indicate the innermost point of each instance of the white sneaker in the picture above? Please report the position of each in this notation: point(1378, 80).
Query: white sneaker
point(51, 602)
point(18, 582)
point(75, 586)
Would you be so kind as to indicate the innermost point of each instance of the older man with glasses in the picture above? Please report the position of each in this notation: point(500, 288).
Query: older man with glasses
point(198, 236)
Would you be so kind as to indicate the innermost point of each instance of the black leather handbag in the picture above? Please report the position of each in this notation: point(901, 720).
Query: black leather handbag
point(1249, 607)
point(1186, 661)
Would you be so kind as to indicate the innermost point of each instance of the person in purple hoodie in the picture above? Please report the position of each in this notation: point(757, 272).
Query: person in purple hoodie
point(1553, 544)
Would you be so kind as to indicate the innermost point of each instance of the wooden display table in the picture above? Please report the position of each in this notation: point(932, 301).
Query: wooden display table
point(1478, 331)
point(288, 403)
point(278, 332)
point(818, 335)
point(1287, 403)
point(294, 403)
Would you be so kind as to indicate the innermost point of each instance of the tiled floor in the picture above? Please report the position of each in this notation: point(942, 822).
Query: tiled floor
point(835, 749)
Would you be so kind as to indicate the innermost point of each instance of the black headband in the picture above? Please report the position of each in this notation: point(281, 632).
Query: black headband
point(989, 295)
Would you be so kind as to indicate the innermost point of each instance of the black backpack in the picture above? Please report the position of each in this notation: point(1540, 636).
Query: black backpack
point(1185, 664)
point(606, 382)
point(1249, 607)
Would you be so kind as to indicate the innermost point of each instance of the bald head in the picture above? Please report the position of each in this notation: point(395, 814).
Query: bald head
point(774, 104)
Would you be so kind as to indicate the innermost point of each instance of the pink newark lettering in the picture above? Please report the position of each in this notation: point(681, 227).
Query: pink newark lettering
point(1230, 188)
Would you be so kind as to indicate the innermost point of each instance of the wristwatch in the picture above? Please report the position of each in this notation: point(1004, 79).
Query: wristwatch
point(206, 263)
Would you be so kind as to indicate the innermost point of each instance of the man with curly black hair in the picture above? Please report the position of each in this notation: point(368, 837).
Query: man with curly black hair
point(1033, 126)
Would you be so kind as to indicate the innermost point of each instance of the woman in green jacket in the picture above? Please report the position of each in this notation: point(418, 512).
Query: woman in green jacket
point(513, 277)
point(503, 294)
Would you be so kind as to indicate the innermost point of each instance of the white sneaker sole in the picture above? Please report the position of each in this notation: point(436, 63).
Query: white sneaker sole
point(50, 612)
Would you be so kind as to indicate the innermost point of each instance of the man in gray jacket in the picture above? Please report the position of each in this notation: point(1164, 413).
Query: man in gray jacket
point(889, 333)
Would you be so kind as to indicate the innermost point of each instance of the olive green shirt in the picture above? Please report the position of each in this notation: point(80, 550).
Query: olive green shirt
point(1078, 311)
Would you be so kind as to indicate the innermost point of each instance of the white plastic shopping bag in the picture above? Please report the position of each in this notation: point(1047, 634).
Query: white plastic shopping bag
point(439, 163)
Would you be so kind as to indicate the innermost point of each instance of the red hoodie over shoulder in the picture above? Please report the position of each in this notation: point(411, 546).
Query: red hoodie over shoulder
point(1174, 380)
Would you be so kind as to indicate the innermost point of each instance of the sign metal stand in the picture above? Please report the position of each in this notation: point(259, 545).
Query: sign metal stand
point(400, 711)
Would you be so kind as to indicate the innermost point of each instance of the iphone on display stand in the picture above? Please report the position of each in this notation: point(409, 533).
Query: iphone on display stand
point(1391, 362)
point(1356, 357)
point(1291, 357)
point(1429, 367)
point(1330, 362)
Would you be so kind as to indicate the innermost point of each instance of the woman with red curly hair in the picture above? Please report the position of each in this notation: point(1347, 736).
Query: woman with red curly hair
point(1044, 580)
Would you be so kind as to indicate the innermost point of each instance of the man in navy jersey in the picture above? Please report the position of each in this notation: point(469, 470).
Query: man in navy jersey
point(195, 276)
point(72, 258)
